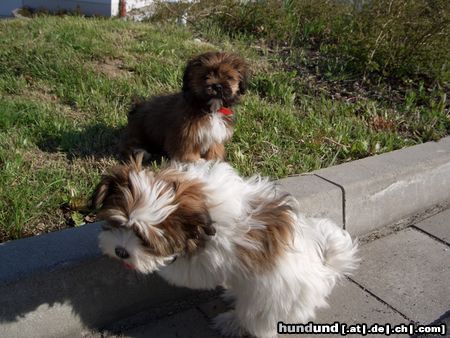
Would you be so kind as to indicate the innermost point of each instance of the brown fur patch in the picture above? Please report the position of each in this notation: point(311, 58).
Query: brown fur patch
point(217, 150)
point(187, 149)
point(273, 240)
point(189, 226)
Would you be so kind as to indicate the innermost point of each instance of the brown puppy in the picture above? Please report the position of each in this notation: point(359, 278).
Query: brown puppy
point(196, 122)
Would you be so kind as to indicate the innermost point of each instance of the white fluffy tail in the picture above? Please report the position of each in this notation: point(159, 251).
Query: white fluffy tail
point(339, 250)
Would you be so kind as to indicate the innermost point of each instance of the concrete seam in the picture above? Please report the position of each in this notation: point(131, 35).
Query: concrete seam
point(439, 207)
point(362, 287)
point(197, 307)
point(344, 223)
point(430, 235)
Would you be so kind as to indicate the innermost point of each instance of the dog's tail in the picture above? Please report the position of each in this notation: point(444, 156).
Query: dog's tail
point(338, 248)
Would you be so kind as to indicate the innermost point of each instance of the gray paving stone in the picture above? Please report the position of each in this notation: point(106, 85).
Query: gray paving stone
point(317, 197)
point(437, 225)
point(349, 304)
point(352, 305)
point(410, 271)
point(188, 324)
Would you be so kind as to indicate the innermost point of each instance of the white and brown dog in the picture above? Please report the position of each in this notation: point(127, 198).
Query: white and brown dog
point(201, 225)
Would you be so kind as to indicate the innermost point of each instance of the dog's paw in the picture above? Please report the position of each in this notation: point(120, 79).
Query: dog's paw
point(146, 156)
point(228, 325)
point(201, 161)
point(228, 296)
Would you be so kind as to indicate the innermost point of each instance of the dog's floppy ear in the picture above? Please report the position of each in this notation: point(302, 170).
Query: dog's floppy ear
point(192, 208)
point(191, 222)
point(110, 183)
point(201, 223)
point(208, 226)
point(241, 66)
point(244, 74)
point(187, 76)
point(197, 226)
point(101, 192)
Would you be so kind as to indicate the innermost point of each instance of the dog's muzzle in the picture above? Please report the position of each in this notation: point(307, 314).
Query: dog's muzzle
point(218, 91)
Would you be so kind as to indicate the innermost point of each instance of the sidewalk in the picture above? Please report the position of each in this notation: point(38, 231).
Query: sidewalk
point(404, 277)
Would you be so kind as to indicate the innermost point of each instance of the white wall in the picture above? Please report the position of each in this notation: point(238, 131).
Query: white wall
point(88, 7)
point(133, 4)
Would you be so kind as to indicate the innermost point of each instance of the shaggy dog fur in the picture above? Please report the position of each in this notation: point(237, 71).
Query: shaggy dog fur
point(201, 226)
point(198, 121)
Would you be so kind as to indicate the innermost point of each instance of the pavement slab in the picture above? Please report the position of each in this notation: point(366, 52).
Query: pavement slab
point(350, 304)
point(410, 271)
point(187, 324)
point(437, 226)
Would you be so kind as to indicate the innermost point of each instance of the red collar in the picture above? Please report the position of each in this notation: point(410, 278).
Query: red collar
point(225, 111)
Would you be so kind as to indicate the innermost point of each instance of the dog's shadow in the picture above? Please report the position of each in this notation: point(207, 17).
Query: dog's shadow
point(63, 275)
point(95, 141)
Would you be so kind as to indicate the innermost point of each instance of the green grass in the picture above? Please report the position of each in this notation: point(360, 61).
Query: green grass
point(66, 84)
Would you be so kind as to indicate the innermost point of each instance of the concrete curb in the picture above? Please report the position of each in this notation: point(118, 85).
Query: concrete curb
point(380, 190)
point(59, 284)
point(367, 194)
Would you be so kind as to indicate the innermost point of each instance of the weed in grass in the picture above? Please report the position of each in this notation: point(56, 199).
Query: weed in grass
point(277, 86)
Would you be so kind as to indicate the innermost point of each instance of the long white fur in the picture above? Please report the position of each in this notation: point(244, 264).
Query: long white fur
point(302, 278)
point(216, 132)
point(155, 205)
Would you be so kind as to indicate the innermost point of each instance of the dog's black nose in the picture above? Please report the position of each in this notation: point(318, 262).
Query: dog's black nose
point(121, 252)
point(217, 87)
